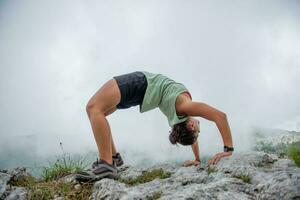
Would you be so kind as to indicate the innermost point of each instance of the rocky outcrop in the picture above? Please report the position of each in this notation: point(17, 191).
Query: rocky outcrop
point(9, 192)
point(252, 175)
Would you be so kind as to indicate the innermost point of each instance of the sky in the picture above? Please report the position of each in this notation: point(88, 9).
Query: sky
point(241, 57)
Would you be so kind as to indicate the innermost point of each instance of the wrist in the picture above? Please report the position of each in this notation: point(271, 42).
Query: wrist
point(228, 148)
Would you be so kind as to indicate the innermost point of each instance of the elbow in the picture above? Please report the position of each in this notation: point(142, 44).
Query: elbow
point(220, 117)
point(223, 115)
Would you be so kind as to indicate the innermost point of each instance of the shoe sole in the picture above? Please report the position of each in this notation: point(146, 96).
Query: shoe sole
point(85, 178)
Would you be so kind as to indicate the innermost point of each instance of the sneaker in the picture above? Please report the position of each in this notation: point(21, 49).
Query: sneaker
point(102, 170)
point(117, 161)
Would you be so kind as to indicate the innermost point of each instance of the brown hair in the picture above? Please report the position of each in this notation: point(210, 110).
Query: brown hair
point(181, 134)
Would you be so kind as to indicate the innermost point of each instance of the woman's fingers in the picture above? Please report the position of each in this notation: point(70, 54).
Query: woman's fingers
point(218, 156)
point(187, 163)
point(196, 162)
point(191, 162)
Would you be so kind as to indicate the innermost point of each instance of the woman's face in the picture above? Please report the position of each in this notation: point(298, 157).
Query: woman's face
point(194, 125)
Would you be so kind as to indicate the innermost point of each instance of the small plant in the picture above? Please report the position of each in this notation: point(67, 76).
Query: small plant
point(50, 186)
point(210, 170)
point(147, 177)
point(64, 165)
point(293, 152)
point(245, 177)
point(155, 196)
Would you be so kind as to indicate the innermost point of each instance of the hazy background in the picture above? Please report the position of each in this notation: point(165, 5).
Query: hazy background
point(241, 57)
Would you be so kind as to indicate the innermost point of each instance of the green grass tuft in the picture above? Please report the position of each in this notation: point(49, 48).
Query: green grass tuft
point(155, 196)
point(293, 152)
point(210, 170)
point(49, 185)
point(64, 165)
point(245, 177)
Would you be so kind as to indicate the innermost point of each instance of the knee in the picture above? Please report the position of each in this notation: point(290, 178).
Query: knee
point(92, 108)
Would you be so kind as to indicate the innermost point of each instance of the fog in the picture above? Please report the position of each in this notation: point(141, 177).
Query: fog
point(241, 57)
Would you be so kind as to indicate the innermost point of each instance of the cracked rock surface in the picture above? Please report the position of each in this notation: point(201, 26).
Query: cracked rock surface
point(252, 175)
point(9, 192)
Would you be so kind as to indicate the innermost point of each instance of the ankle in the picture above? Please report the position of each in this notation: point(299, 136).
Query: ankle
point(116, 154)
point(107, 161)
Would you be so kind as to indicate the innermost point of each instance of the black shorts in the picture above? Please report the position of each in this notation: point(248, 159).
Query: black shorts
point(132, 87)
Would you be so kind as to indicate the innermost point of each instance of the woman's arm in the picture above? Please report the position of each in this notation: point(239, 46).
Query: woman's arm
point(192, 108)
point(197, 161)
point(195, 149)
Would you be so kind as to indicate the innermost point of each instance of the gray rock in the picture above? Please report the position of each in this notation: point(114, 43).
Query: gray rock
point(9, 192)
point(59, 198)
point(17, 193)
point(252, 175)
point(68, 179)
point(77, 187)
point(4, 178)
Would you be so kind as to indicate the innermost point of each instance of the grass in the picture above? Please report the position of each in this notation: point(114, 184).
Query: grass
point(49, 185)
point(146, 177)
point(245, 177)
point(64, 165)
point(210, 170)
point(46, 190)
point(155, 196)
point(293, 152)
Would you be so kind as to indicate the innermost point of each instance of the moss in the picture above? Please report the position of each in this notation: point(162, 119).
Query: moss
point(146, 177)
point(155, 196)
point(244, 177)
point(210, 170)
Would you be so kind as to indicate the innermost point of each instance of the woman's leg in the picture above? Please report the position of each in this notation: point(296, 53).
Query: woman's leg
point(113, 147)
point(103, 102)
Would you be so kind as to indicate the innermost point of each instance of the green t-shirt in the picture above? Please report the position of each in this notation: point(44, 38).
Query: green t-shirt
point(162, 92)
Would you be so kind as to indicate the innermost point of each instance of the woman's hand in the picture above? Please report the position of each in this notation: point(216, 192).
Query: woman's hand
point(218, 156)
point(191, 162)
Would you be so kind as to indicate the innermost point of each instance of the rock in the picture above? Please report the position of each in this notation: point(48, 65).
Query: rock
point(4, 178)
point(253, 175)
point(130, 172)
point(77, 187)
point(250, 175)
point(17, 193)
point(9, 192)
point(59, 198)
point(68, 179)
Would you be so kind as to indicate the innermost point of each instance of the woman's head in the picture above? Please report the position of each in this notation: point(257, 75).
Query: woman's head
point(185, 133)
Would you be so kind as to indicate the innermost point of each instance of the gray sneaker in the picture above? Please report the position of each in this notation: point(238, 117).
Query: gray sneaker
point(102, 170)
point(117, 161)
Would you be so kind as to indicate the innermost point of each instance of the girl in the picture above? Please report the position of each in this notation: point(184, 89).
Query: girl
point(149, 91)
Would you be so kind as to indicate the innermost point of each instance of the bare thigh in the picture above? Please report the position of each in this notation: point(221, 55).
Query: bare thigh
point(106, 98)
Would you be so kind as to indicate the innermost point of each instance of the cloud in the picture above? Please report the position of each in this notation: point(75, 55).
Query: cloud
point(240, 57)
